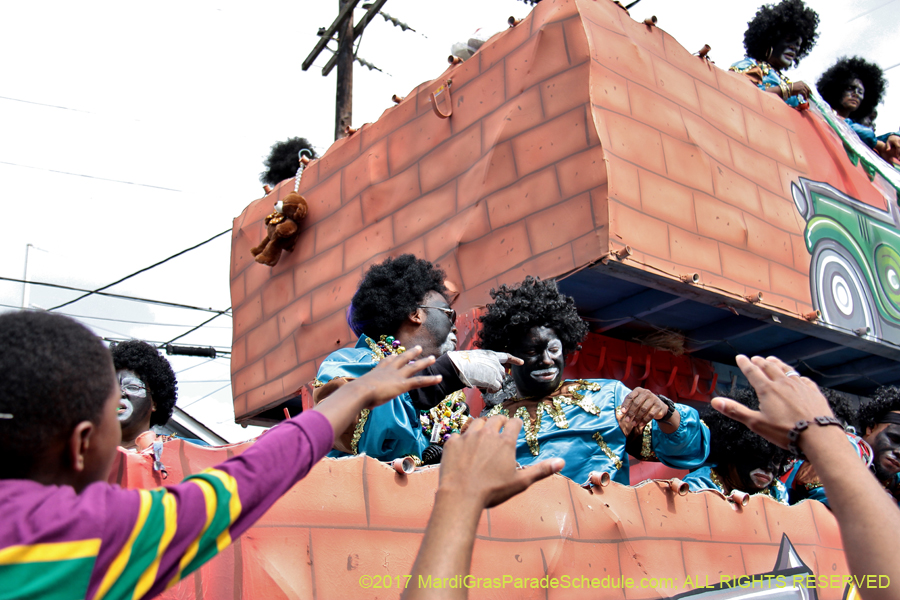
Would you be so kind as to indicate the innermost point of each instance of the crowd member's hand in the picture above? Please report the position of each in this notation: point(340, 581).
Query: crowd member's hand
point(482, 368)
point(891, 149)
point(481, 463)
point(642, 406)
point(783, 399)
point(393, 376)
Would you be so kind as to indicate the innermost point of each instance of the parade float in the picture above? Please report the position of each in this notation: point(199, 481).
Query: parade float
point(691, 217)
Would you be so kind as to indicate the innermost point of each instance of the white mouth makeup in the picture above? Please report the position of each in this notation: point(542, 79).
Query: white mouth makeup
point(761, 477)
point(545, 374)
point(125, 410)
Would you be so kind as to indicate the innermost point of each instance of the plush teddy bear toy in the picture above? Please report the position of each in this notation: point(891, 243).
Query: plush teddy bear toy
point(282, 229)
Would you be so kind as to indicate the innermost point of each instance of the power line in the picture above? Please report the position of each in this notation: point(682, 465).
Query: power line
point(147, 185)
point(42, 104)
point(871, 10)
point(145, 269)
point(150, 323)
point(196, 328)
point(204, 397)
point(219, 349)
point(120, 296)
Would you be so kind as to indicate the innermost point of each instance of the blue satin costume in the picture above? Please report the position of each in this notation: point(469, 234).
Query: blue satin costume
point(866, 134)
point(763, 75)
point(702, 479)
point(389, 431)
point(582, 427)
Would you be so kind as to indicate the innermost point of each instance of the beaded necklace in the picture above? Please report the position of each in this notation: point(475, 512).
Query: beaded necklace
point(386, 345)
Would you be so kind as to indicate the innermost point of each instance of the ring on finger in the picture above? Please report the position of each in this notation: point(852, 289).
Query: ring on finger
point(792, 373)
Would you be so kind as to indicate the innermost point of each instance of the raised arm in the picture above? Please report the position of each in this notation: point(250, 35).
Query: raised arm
point(478, 471)
point(867, 516)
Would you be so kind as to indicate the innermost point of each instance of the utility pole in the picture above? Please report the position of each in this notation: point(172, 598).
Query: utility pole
point(347, 33)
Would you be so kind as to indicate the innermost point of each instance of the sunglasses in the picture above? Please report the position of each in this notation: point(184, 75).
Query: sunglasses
point(451, 314)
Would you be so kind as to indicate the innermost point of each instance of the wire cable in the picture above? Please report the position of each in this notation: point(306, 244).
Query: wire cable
point(146, 185)
point(144, 270)
point(193, 402)
point(193, 329)
point(120, 296)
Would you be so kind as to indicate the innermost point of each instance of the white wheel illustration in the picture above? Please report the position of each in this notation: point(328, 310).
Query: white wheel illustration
point(840, 292)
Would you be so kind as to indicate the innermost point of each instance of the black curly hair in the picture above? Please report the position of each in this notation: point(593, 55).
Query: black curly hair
point(774, 23)
point(884, 400)
point(840, 405)
point(731, 442)
point(834, 81)
point(54, 373)
point(154, 370)
point(282, 162)
point(532, 303)
point(390, 292)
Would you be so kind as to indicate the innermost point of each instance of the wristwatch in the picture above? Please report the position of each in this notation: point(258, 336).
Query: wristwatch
point(669, 412)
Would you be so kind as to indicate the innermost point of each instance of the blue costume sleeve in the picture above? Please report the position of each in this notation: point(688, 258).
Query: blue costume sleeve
point(700, 479)
point(389, 431)
point(884, 136)
point(862, 132)
point(685, 448)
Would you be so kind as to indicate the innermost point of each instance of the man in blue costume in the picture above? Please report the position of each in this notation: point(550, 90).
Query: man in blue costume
point(777, 38)
point(593, 423)
point(738, 458)
point(879, 448)
point(401, 303)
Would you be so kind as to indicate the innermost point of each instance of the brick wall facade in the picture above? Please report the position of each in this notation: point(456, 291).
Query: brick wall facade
point(572, 134)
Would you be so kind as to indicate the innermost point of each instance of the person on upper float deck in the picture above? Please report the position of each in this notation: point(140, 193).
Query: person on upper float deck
point(777, 38)
point(403, 302)
point(592, 423)
point(853, 87)
point(740, 459)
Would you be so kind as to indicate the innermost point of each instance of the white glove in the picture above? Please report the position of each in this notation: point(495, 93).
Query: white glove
point(480, 368)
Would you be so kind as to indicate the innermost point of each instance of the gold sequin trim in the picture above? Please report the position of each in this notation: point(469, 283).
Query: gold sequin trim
point(812, 486)
point(358, 430)
point(532, 428)
point(717, 481)
point(317, 384)
point(416, 460)
point(375, 349)
point(647, 452)
point(607, 450)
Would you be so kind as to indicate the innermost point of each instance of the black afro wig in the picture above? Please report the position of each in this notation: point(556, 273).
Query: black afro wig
point(774, 23)
point(732, 443)
point(533, 303)
point(840, 405)
point(154, 370)
point(283, 160)
point(390, 292)
point(885, 400)
point(834, 81)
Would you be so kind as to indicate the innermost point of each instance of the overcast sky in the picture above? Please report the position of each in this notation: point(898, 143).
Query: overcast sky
point(131, 131)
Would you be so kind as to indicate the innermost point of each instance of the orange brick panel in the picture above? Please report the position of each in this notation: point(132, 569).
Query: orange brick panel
point(329, 334)
point(676, 85)
point(722, 112)
point(339, 226)
point(687, 164)
point(340, 154)
point(408, 143)
point(392, 118)
point(467, 225)
point(739, 87)
point(709, 139)
point(389, 496)
point(425, 213)
point(495, 170)
point(695, 250)
point(450, 159)
point(527, 196)
point(278, 292)
point(293, 381)
point(493, 254)
point(282, 359)
point(621, 55)
point(780, 212)
point(478, 98)
point(694, 66)
point(586, 564)
point(659, 520)
point(325, 198)
point(801, 255)
point(624, 184)
point(788, 282)
point(609, 90)
point(238, 290)
point(716, 220)
point(370, 168)
point(292, 317)
point(799, 153)
point(633, 141)
point(592, 246)
point(711, 561)
point(375, 239)
point(657, 111)
point(768, 241)
point(334, 295)
point(565, 91)
point(666, 200)
point(551, 263)
point(735, 189)
point(552, 519)
point(643, 559)
point(323, 267)
point(581, 172)
point(519, 114)
point(469, 70)
point(641, 232)
point(755, 166)
point(265, 555)
point(542, 56)
point(607, 16)
point(548, 143)
point(266, 395)
point(554, 227)
point(745, 267)
point(247, 316)
point(379, 201)
point(259, 340)
point(248, 378)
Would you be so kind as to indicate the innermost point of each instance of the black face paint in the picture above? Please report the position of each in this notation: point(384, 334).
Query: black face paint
point(886, 451)
point(542, 352)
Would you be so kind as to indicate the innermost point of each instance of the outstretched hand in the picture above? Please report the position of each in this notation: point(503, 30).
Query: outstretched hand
point(395, 375)
point(482, 368)
point(481, 463)
point(642, 406)
point(783, 399)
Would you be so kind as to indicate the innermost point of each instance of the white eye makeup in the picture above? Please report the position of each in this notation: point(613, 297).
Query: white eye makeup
point(554, 349)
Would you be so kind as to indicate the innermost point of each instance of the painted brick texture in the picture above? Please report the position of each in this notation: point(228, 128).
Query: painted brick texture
point(572, 134)
point(354, 517)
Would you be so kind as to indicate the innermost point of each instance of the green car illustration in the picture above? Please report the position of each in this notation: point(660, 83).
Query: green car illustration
point(855, 270)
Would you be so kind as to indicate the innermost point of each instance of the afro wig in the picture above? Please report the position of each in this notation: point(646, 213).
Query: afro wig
point(284, 159)
point(774, 23)
point(840, 406)
point(533, 303)
point(834, 82)
point(732, 443)
point(885, 400)
point(390, 292)
point(154, 370)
